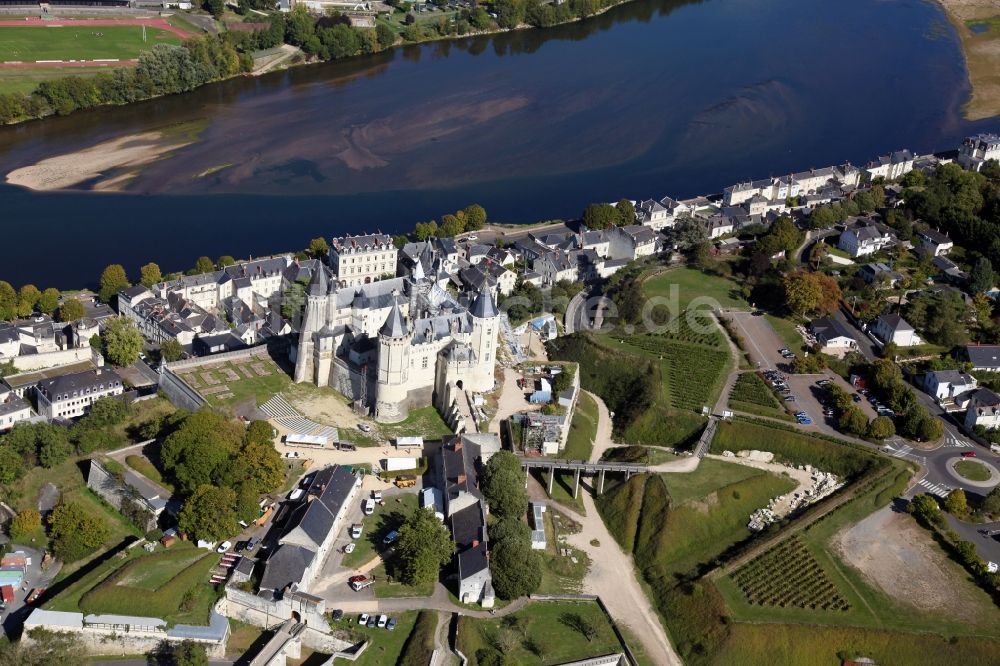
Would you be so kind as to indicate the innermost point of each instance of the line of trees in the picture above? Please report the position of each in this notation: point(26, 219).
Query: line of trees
point(165, 69)
point(28, 299)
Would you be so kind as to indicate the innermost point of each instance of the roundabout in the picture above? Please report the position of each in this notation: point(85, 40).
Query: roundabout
point(973, 472)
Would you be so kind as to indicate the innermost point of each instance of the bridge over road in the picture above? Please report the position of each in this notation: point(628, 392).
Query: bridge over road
point(579, 467)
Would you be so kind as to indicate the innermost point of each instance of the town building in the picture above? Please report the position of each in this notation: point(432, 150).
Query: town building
point(893, 328)
point(311, 529)
point(396, 343)
point(983, 410)
point(880, 274)
point(946, 385)
point(983, 357)
point(71, 396)
point(13, 409)
point(459, 461)
point(363, 259)
point(935, 243)
point(976, 150)
point(863, 239)
point(793, 185)
point(892, 166)
point(633, 242)
point(833, 336)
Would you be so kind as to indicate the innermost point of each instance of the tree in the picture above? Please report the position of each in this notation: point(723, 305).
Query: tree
point(24, 524)
point(626, 212)
point(425, 230)
point(475, 217)
point(74, 533)
point(52, 444)
point(171, 350)
point(580, 624)
point(11, 465)
point(48, 301)
point(113, 280)
point(27, 299)
point(926, 509)
point(956, 503)
point(71, 310)
point(122, 341)
point(509, 529)
point(209, 513)
point(818, 253)
point(199, 451)
point(226, 260)
point(204, 265)
point(8, 301)
point(502, 483)
point(783, 236)
point(881, 427)
point(150, 274)
point(424, 546)
point(189, 653)
point(450, 226)
point(516, 569)
point(807, 292)
point(981, 278)
point(318, 247)
point(822, 218)
point(854, 421)
point(600, 216)
point(991, 504)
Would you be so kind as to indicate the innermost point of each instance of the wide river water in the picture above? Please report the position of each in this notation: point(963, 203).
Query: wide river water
point(654, 98)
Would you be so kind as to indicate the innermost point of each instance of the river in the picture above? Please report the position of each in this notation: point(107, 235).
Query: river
point(653, 98)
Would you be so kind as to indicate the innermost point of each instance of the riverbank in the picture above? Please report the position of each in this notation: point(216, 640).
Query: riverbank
point(977, 23)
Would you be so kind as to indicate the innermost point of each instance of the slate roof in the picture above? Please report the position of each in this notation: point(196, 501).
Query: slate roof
point(288, 565)
point(484, 307)
point(395, 325)
point(983, 356)
point(80, 381)
point(828, 328)
point(895, 323)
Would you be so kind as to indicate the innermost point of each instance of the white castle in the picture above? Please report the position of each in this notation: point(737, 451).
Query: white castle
point(396, 344)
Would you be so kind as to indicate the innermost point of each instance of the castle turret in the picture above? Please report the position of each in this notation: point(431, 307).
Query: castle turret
point(485, 327)
point(393, 368)
point(313, 319)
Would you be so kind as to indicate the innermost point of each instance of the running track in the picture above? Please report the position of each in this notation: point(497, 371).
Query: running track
point(63, 64)
point(160, 24)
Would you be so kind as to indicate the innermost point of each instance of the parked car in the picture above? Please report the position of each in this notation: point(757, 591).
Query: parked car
point(364, 427)
point(349, 548)
point(356, 530)
point(789, 398)
point(382, 621)
point(371, 622)
point(377, 495)
point(969, 454)
point(369, 507)
point(391, 625)
point(223, 547)
point(390, 538)
point(363, 619)
point(35, 594)
point(359, 583)
point(337, 614)
point(241, 546)
point(253, 543)
point(855, 397)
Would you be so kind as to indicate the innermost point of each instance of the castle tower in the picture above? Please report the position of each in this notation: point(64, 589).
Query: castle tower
point(313, 319)
point(393, 368)
point(483, 341)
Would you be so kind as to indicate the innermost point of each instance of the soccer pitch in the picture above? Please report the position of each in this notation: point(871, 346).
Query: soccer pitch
point(79, 42)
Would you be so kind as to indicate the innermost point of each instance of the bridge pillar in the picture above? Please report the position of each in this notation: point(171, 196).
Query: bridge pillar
point(527, 473)
point(628, 475)
point(600, 483)
point(552, 478)
point(576, 484)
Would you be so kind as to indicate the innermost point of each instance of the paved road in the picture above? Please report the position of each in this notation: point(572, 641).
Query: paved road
point(866, 345)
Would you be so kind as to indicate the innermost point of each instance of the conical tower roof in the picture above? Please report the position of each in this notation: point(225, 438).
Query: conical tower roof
point(395, 325)
point(319, 285)
point(484, 307)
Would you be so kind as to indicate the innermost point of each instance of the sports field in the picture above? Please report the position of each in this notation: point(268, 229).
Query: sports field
point(79, 42)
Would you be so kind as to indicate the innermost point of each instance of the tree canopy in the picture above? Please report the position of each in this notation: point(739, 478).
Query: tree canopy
point(113, 280)
point(74, 532)
point(502, 482)
point(71, 310)
point(601, 216)
point(122, 341)
point(209, 513)
point(150, 274)
point(424, 546)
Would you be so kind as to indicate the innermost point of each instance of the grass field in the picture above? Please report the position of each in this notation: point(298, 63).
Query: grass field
point(690, 284)
point(30, 44)
point(148, 470)
point(169, 584)
point(425, 422)
point(385, 519)
point(582, 430)
point(972, 470)
point(540, 633)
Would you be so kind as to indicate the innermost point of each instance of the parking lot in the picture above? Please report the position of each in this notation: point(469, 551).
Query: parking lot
point(763, 346)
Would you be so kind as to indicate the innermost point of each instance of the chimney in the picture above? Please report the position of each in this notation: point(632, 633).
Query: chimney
point(458, 444)
point(475, 543)
point(461, 478)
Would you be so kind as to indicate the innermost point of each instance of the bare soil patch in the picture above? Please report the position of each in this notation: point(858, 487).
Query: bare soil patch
point(900, 558)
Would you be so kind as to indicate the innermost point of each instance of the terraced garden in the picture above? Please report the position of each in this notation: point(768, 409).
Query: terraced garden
point(752, 395)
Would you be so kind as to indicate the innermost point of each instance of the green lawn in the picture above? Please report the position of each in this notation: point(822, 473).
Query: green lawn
point(690, 284)
point(79, 42)
point(562, 489)
point(169, 584)
point(423, 422)
point(385, 519)
point(541, 633)
point(582, 430)
point(560, 575)
point(386, 647)
point(709, 477)
point(148, 470)
point(785, 329)
point(27, 80)
point(972, 470)
point(384, 589)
